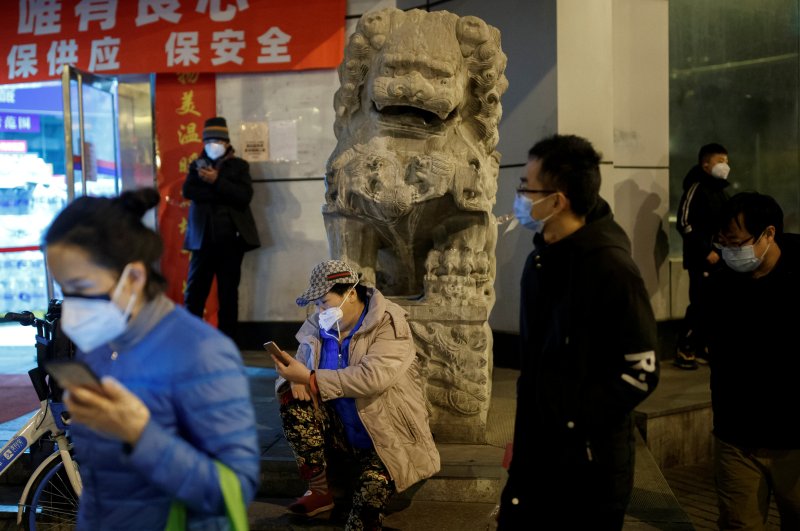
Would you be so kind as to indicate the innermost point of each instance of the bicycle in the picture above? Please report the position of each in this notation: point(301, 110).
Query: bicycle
point(50, 497)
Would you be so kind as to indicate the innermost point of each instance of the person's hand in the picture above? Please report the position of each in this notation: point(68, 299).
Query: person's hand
point(208, 175)
point(301, 391)
point(114, 411)
point(712, 258)
point(291, 369)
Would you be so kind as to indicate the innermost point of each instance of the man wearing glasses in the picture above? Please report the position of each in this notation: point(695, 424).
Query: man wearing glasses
point(587, 335)
point(753, 315)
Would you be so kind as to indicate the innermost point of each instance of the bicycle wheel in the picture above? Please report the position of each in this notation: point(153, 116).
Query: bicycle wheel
point(52, 503)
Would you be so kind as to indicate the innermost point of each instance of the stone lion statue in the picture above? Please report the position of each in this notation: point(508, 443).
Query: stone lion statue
point(415, 167)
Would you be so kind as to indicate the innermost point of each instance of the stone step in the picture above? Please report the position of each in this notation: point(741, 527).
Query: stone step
point(676, 420)
point(468, 473)
point(463, 492)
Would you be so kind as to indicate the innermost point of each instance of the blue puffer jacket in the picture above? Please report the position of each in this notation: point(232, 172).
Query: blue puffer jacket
point(192, 380)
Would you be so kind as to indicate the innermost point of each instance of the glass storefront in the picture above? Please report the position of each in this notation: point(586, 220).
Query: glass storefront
point(32, 188)
point(110, 130)
point(734, 69)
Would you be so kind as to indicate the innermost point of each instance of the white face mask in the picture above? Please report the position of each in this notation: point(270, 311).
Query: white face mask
point(720, 170)
point(214, 150)
point(92, 322)
point(330, 317)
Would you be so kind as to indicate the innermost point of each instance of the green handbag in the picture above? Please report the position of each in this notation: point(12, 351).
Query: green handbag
point(234, 504)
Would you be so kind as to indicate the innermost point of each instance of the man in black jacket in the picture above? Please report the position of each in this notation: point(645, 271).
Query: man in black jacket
point(698, 215)
point(753, 314)
point(221, 227)
point(588, 338)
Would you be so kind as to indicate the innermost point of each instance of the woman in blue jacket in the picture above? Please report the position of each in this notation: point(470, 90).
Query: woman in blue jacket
point(174, 399)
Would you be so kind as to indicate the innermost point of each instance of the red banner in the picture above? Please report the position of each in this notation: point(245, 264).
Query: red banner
point(142, 36)
point(183, 103)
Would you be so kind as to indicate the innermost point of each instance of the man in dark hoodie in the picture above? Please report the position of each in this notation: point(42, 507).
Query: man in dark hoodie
point(698, 213)
point(221, 227)
point(588, 337)
point(752, 314)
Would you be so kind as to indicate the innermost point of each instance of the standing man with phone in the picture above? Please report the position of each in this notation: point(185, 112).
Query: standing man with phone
point(221, 227)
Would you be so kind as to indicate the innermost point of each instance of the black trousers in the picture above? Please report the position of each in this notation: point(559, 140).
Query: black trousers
point(551, 491)
point(224, 261)
point(693, 336)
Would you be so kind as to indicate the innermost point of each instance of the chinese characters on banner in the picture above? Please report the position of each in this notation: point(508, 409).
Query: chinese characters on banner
point(183, 103)
point(143, 36)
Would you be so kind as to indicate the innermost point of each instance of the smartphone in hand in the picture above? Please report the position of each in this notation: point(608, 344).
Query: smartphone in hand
point(201, 164)
point(73, 373)
point(275, 350)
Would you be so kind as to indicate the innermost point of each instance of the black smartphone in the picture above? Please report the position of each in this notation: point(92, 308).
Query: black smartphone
point(201, 163)
point(72, 373)
point(273, 348)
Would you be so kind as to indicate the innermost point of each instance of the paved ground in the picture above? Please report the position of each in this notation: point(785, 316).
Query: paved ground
point(692, 485)
point(694, 488)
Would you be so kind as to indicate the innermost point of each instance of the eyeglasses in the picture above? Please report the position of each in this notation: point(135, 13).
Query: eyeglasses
point(719, 243)
point(532, 191)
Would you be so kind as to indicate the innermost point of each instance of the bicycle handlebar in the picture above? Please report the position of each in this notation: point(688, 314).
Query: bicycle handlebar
point(25, 318)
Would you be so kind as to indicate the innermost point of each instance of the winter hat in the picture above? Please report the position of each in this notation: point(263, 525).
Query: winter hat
point(324, 276)
point(216, 128)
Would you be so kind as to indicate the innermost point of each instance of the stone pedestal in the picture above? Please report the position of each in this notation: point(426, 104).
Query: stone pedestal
point(455, 347)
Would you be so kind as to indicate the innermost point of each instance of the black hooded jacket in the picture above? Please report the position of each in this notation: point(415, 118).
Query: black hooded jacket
point(698, 216)
point(752, 334)
point(588, 339)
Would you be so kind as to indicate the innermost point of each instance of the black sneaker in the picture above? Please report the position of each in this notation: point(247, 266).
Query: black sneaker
point(685, 360)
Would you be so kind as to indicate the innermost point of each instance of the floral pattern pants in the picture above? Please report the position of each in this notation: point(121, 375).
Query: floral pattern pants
point(315, 435)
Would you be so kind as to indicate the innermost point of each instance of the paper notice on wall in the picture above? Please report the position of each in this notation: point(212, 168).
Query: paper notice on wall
point(283, 140)
point(255, 141)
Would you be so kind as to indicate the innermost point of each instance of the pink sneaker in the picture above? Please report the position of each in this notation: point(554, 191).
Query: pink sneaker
point(312, 503)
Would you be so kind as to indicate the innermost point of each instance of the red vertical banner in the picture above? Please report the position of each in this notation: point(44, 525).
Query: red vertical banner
point(183, 103)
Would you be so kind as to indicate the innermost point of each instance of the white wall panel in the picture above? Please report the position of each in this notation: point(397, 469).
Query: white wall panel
point(640, 207)
point(585, 72)
point(641, 83)
point(293, 242)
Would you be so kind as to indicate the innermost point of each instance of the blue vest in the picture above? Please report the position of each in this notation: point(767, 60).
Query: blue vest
point(337, 356)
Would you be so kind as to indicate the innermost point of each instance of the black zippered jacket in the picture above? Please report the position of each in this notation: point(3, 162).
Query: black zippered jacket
point(698, 216)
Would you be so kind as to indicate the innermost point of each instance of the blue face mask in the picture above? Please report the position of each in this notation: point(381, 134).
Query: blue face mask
point(522, 210)
point(743, 259)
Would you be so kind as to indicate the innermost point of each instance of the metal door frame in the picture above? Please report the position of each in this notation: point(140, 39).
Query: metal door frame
point(68, 74)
